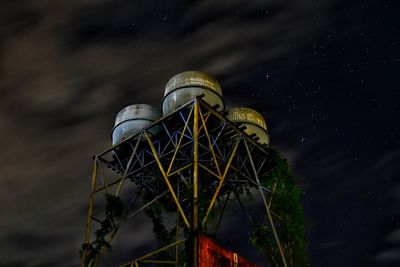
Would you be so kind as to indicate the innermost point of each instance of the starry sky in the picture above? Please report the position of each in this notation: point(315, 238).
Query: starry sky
point(323, 73)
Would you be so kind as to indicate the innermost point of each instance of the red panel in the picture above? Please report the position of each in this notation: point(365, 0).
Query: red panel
point(213, 255)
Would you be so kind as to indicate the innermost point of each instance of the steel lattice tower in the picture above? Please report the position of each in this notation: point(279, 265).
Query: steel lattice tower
point(199, 157)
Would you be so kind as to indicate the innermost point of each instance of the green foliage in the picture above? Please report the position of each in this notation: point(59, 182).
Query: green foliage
point(285, 203)
point(163, 236)
point(115, 209)
point(290, 227)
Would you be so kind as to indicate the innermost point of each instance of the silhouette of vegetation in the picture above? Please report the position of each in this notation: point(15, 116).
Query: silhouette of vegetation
point(115, 209)
point(290, 224)
point(285, 202)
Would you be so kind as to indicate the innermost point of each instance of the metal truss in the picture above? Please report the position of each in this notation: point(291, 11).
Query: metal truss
point(197, 153)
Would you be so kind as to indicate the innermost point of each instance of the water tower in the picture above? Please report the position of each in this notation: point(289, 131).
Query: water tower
point(186, 161)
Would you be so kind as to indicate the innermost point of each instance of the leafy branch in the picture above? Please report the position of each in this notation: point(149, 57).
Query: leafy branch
point(290, 229)
point(115, 209)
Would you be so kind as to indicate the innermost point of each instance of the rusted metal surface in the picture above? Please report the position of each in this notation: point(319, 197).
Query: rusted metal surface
point(253, 120)
point(197, 146)
point(211, 254)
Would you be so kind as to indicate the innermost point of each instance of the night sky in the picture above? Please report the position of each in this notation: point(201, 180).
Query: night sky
point(325, 74)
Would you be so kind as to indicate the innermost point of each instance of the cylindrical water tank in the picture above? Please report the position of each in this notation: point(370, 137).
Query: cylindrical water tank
point(133, 118)
point(253, 120)
point(184, 86)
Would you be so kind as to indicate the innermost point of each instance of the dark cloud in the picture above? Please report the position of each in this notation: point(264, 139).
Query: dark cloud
point(314, 68)
point(389, 256)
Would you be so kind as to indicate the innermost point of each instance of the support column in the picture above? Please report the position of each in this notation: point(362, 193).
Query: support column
point(195, 223)
point(90, 211)
point(266, 205)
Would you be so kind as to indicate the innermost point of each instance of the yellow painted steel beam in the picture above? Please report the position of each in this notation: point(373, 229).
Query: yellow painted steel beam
point(148, 255)
point(108, 186)
point(249, 178)
point(266, 205)
point(206, 115)
point(104, 249)
point(232, 125)
point(210, 171)
point(129, 164)
point(180, 169)
point(211, 145)
point(145, 206)
point(221, 182)
point(244, 175)
point(103, 179)
point(195, 181)
point(179, 142)
point(166, 179)
point(90, 210)
point(130, 264)
point(119, 179)
point(272, 195)
point(277, 216)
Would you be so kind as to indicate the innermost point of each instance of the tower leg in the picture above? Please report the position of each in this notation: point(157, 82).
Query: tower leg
point(266, 206)
point(195, 222)
point(90, 211)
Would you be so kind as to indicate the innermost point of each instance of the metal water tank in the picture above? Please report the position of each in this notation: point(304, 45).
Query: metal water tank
point(253, 120)
point(184, 86)
point(134, 118)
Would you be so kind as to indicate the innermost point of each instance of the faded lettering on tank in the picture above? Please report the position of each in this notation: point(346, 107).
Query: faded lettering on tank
point(247, 117)
point(200, 81)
